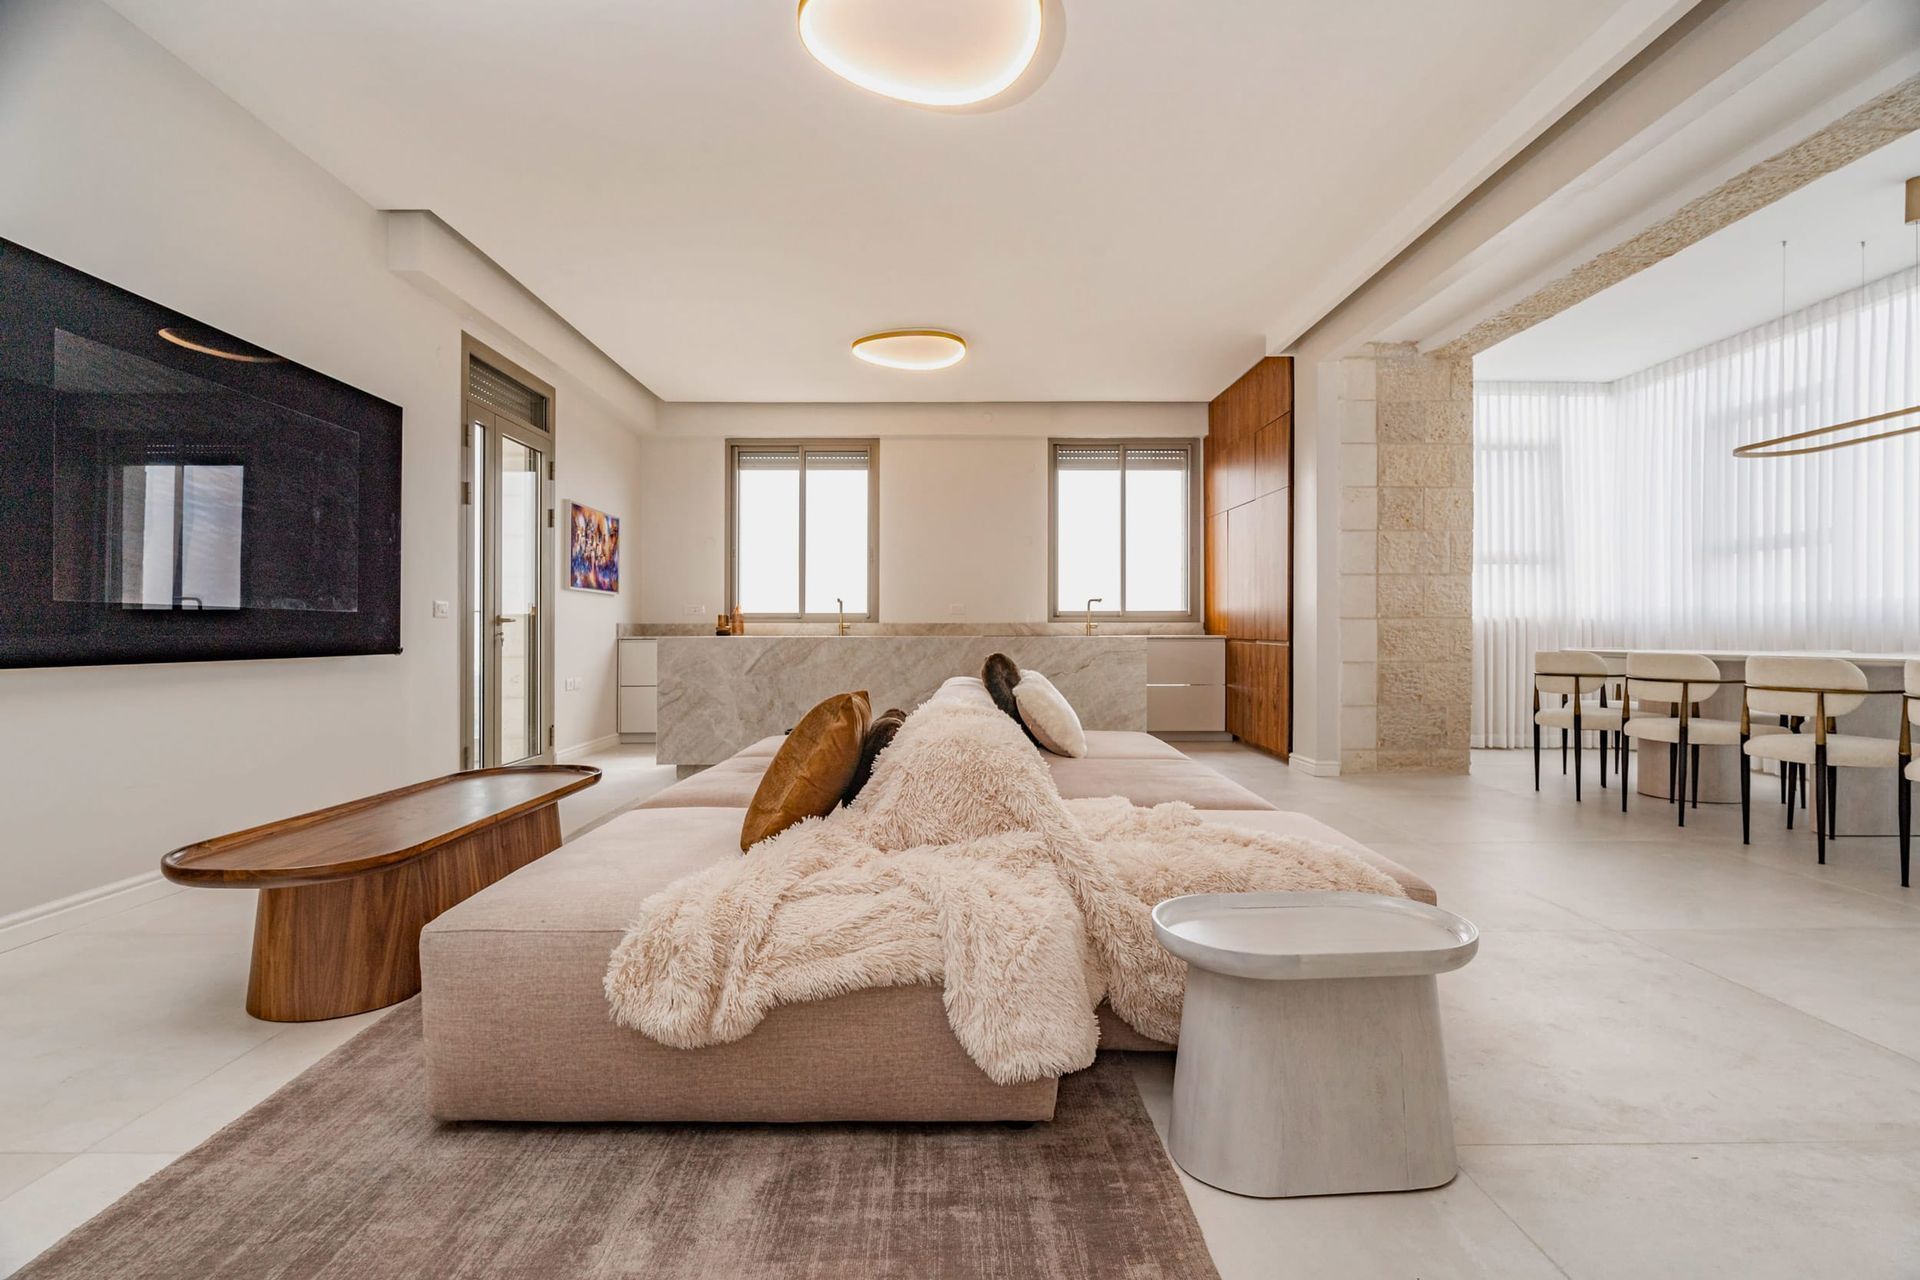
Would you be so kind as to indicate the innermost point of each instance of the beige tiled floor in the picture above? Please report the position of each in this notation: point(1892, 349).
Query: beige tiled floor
point(124, 1043)
point(1672, 1057)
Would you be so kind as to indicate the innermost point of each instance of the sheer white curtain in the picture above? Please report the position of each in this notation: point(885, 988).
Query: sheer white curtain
point(1615, 514)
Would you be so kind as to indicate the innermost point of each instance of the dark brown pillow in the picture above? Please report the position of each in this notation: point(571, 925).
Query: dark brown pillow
point(811, 770)
point(1000, 674)
point(879, 734)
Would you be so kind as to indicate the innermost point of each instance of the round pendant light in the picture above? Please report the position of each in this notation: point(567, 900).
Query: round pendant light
point(913, 349)
point(936, 53)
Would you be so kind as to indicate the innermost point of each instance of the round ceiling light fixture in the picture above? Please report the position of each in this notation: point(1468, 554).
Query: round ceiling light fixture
point(918, 350)
point(934, 53)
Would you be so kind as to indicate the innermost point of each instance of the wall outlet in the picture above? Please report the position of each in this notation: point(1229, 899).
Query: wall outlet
point(696, 611)
point(956, 611)
point(443, 608)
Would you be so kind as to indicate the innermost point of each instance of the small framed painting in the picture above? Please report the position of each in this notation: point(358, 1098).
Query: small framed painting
point(593, 549)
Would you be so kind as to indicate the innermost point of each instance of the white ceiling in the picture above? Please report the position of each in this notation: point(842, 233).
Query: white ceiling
point(1730, 281)
point(686, 186)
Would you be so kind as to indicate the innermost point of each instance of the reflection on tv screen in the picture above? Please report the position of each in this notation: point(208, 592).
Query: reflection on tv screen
point(173, 492)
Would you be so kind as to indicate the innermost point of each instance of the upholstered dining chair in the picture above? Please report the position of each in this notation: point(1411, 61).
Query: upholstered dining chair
point(1681, 681)
point(1574, 675)
point(1819, 691)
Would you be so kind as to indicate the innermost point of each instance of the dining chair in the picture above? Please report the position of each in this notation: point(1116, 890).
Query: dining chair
point(1574, 674)
point(1820, 691)
point(1681, 681)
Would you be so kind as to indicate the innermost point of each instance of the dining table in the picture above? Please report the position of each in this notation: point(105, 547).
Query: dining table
point(1864, 801)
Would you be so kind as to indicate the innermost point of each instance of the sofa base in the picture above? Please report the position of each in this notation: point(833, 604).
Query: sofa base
point(515, 1039)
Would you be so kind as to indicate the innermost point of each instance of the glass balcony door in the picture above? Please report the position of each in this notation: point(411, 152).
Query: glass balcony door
point(507, 594)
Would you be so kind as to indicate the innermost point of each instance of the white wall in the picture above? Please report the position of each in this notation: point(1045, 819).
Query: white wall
point(963, 498)
point(165, 187)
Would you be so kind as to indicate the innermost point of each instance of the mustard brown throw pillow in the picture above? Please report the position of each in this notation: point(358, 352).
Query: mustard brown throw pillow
point(812, 769)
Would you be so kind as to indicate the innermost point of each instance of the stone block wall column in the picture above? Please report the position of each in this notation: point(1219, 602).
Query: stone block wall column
point(1406, 561)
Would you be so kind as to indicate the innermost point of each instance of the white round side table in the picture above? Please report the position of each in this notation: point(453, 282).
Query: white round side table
point(1310, 1060)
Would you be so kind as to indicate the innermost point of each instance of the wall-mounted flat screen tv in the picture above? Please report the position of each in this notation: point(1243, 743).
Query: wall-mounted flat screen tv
point(172, 493)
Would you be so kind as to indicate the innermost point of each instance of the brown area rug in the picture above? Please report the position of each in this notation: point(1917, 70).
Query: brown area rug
point(341, 1174)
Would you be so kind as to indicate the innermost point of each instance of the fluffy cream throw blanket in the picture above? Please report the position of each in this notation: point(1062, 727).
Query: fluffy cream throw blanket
point(959, 863)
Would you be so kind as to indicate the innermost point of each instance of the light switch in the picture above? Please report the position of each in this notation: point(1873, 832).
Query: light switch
point(442, 608)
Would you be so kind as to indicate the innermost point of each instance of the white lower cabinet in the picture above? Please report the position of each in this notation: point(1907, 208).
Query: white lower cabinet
point(638, 711)
point(1186, 684)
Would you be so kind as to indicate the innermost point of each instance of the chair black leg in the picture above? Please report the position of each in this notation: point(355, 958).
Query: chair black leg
point(1673, 773)
point(1833, 800)
point(1563, 753)
point(1906, 819)
point(1803, 786)
point(1577, 735)
point(1624, 788)
point(1820, 800)
point(1786, 796)
point(1680, 753)
point(1693, 771)
point(1536, 757)
point(1793, 786)
point(1603, 759)
point(1746, 793)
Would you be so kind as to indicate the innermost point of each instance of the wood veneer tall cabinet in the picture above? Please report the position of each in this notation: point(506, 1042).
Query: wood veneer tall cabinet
point(1249, 549)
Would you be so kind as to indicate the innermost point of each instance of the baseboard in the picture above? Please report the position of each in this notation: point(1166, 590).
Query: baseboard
point(586, 748)
point(48, 918)
point(1314, 768)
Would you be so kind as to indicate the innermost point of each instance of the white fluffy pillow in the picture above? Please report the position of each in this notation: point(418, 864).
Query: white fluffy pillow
point(1048, 715)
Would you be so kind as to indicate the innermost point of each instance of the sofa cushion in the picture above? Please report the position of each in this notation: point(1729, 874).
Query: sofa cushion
point(1287, 823)
point(1129, 744)
point(1048, 717)
point(729, 785)
point(1150, 782)
point(810, 772)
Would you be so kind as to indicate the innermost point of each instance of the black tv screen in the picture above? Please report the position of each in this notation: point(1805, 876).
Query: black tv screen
point(171, 493)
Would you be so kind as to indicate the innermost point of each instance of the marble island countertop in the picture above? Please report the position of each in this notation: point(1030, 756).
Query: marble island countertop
point(720, 693)
point(1158, 630)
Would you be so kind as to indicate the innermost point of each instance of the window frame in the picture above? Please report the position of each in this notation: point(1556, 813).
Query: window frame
point(1193, 446)
point(805, 445)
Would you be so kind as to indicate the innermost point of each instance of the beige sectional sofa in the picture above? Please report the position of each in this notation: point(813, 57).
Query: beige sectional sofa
point(517, 1026)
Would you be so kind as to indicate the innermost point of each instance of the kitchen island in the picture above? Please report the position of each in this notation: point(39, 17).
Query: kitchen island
point(718, 694)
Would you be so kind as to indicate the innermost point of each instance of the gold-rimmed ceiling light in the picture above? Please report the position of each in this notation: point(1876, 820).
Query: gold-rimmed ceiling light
point(937, 53)
point(914, 349)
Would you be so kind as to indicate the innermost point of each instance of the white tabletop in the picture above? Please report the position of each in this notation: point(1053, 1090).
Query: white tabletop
point(1313, 935)
point(1729, 655)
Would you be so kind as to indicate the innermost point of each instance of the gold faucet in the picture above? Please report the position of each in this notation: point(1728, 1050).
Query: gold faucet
point(1092, 601)
point(843, 614)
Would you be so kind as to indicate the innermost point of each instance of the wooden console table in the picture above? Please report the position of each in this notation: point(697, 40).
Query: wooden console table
point(345, 891)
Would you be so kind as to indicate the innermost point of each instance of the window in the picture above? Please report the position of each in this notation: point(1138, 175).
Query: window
point(803, 531)
point(1123, 528)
